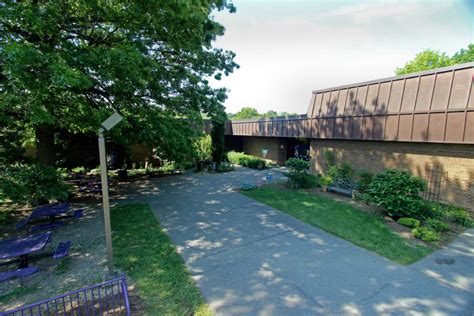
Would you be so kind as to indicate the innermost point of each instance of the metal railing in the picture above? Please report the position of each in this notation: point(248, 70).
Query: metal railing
point(106, 298)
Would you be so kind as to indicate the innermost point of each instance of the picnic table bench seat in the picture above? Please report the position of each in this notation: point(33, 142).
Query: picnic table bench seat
point(4, 276)
point(62, 250)
point(22, 250)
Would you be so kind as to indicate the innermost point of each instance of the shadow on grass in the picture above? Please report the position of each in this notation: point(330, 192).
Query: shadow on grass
point(146, 254)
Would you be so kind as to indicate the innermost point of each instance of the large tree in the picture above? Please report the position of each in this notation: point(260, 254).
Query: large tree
point(68, 64)
point(246, 113)
point(430, 59)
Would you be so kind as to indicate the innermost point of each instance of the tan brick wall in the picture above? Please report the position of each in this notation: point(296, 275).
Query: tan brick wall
point(254, 145)
point(457, 161)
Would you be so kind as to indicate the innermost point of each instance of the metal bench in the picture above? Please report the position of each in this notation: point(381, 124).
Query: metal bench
point(106, 298)
point(17, 273)
point(343, 187)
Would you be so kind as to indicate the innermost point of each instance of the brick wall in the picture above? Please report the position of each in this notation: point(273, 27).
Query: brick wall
point(276, 148)
point(457, 161)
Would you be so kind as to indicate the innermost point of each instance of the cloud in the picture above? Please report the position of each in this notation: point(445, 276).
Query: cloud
point(286, 49)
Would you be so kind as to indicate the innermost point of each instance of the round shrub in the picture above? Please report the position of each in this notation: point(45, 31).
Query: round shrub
point(408, 222)
point(302, 180)
point(296, 164)
point(245, 160)
point(298, 178)
point(398, 192)
point(425, 234)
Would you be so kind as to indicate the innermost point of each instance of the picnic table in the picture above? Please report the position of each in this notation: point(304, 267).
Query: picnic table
point(21, 247)
point(51, 213)
point(21, 250)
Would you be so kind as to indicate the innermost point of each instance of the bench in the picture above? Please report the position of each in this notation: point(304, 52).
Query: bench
point(342, 191)
point(78, 213)
point(106, 298)
point(22, 223)
point(62, 250)
point(17, 273)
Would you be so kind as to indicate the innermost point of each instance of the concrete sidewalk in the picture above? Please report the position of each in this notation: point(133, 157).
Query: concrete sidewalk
point(250, 259)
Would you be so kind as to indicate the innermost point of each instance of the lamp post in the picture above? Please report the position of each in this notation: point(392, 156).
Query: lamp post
point(108, 124)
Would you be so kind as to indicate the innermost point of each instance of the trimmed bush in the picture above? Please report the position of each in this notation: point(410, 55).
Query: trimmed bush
point(298, 178)
point(224, 167)
point(297, 165)
point(408, 222)
point(425, 234)
point(246, 160)
point(302, 180)
point(398, 192)
point(32, 184)
point(437, 225)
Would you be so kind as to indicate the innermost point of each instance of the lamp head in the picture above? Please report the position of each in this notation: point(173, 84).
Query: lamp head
point(109, 123)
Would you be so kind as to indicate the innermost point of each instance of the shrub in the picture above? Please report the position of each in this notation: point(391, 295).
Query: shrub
point(302, 180)
point(255, 163)
point(365, 179)
point(437, 225)
point(32, 184)
point(79, 170)
point(325, 180)
point(459, 215)
point(246, 160)
point(398, 192)
point(203, 148)
point(235, 157)
point(224, 167)
point(186, 165)
point(298, 165)
point(408, 222)
point(425, 234)
point(343, 171)
point(298, 178)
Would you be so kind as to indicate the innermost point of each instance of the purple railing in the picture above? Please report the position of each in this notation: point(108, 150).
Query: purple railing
point(106, 298)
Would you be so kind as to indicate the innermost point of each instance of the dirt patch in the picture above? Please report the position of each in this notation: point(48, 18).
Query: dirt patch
point(86, 263)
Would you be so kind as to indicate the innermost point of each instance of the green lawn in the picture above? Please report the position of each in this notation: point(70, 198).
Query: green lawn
point(146, 254)
point(343, 220)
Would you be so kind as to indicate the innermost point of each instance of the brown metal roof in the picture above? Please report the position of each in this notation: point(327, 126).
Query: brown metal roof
point(429, 106)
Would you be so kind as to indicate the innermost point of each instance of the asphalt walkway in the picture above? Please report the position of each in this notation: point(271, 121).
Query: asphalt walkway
point(250, 259)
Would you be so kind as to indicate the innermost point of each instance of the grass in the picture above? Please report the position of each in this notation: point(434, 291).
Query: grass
point(344, 220)
point(18, 292)
point(146, 254)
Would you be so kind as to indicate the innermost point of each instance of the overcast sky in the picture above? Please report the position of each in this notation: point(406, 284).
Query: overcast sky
point(286, 49)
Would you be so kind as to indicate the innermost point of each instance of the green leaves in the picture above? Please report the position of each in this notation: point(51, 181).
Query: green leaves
point(431, 59)
point(398, 192)
point(71, 63)
point(31, 184)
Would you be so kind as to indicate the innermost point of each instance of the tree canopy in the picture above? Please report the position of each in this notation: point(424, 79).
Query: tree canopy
point(249, 113)
point(431, 59)
point(68, 64)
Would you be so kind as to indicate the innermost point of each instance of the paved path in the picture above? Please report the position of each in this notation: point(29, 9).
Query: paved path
point(250, 259)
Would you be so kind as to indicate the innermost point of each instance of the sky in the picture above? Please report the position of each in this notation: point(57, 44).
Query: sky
point(287, 49)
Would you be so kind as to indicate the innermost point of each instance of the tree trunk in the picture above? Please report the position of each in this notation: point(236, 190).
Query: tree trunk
point(45, 145)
